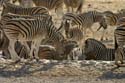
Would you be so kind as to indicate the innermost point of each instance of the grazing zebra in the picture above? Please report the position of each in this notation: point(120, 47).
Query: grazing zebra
point(85, 20)
point(30, 30)
point(11, 8)
point(94, 49)
point(74, 4)
point(119, 35)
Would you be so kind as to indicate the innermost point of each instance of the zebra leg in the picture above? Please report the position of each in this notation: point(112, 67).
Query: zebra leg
point(27, 46)
point(14, 55)
point(92, 32)
point(68, 9)
point(31, 50)
point(103, 35)
point(84, 34)
point(119, 55)
point(72, 9)
point(37, 44)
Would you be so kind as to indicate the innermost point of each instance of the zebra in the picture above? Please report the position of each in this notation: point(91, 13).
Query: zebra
point(30, 30)
point(10, 16)
point(11, 8)
point(111, 19)
point(85, 20)
point(49, 4)
point(96, 50)
point(74, 34)
point(74, 4)
point(119, 38)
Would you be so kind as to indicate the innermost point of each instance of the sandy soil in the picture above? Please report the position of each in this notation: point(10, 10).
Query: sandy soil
point(69, 72)
point(61, 72)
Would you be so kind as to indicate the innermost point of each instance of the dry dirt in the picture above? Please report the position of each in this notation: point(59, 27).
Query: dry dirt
point(47, 71)
point(69, 72)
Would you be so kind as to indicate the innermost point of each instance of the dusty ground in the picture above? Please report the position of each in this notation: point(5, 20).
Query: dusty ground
point(61, 72)
point(69, 72)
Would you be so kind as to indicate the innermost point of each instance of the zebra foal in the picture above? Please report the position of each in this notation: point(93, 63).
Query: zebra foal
point(94, 49)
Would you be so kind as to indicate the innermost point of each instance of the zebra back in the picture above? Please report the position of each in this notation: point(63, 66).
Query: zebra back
point(10, 16)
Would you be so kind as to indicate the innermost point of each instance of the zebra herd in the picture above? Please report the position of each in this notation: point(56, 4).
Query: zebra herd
point(24, 30)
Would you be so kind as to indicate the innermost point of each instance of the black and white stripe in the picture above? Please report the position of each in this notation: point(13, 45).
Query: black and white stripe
point(49, 4)
point(85, 20)
point(11, 8)
point(94, 49)
point(10, 16)
point(119, 35)
point(30, 30)
point(112, 18)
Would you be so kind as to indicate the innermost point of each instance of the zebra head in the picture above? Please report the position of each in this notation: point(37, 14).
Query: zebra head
point(110, 18)
point(92, 47)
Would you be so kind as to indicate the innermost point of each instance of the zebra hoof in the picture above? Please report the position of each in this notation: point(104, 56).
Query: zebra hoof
point(37, 60)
